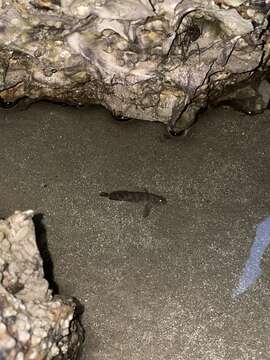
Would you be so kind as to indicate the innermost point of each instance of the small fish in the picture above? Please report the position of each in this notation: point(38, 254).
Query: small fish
point(146, 197)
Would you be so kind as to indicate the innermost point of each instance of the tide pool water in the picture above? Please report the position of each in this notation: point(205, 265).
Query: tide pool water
point(252, 269)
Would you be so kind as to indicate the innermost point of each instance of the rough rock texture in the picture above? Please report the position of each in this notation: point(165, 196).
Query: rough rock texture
point(160, 60)
point(33, 324)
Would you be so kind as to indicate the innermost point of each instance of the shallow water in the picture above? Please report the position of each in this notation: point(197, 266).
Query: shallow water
point(155, 288)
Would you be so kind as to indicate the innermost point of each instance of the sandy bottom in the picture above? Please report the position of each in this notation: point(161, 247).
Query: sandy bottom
point(155, 288)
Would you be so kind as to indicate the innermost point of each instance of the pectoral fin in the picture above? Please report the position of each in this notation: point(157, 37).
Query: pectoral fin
point(147, 210)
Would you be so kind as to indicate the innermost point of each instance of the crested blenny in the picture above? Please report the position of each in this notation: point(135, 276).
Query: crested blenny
point(252, 269)
point(146, 197)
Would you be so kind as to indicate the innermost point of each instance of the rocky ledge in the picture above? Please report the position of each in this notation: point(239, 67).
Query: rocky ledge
point(157, 60)
point(34, 324)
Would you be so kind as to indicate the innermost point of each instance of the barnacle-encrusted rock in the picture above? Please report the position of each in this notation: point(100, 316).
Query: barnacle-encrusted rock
point(158, 60)
point(33, 324)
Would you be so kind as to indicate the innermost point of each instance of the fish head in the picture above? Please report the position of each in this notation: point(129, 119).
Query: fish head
point(162, 201)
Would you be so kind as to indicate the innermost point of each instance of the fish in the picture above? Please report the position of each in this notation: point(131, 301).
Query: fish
point(146, 197)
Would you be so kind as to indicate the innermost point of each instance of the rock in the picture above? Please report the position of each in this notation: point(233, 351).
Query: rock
point(34, 324)
point(153, 60)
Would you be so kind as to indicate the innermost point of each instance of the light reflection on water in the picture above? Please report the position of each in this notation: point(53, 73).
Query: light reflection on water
point(252, 269)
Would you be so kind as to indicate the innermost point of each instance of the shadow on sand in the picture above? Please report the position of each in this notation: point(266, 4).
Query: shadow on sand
point(42, 244)
point(76, 326)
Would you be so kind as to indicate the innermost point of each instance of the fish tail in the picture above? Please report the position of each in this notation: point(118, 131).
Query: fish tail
point(105, 194)
point(147, 210)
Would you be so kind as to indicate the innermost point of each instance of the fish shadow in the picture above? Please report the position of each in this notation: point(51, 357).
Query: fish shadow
point(42, 244)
